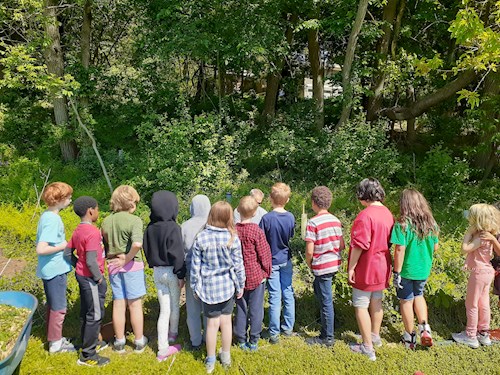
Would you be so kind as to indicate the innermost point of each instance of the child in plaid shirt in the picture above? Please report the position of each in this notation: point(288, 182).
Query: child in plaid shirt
point(217, 273)
point(258, 263)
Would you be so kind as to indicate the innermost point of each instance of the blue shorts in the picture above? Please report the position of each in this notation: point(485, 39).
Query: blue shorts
point(411, 289)
point(55, 291)
point(128, 285)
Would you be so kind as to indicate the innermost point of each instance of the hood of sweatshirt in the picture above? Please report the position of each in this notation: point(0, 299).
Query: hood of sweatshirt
point(200, 208)
point(164, 206)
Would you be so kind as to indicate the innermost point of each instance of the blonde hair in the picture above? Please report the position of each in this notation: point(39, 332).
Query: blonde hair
point(414, 209)
point(56, 192)
point(247, 207)
point(257, 193)
point(484, 217)
point(124, 198)
point(280, 193)
point(221, 216)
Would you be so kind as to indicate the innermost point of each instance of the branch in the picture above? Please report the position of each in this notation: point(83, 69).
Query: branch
point(426, 103)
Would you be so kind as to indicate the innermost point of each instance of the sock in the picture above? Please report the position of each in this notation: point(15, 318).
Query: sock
point(210, 359)
point(120, 341)
point(141, 341)
point(225, 356)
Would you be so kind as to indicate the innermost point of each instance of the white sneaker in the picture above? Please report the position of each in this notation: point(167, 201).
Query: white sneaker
point(410, 340)
point(484, 338)
point(462, 338)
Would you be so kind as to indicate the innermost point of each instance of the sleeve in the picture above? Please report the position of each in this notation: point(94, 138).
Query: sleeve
point(49, 229)
point(292, 231)
point(195, 265)
point(69, 254)
point(136, 235)
point(311, 232)
point(237, 258)
point(264, 253)
point(92, 265)
point(176, 252)
point(361, 234)
point(397, 235)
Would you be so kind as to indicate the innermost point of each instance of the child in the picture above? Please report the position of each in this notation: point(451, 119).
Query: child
point(324, 242)
point(416, 238)
point(199, 208)
point(257, 261)
point(369, 267)
point(89, 271)
point(52, 267)
point(217, 272)
point(165, 253)
point(279, 227)
point(495, 262)
point(483, 218)
point(122, 235)
point(258, 195)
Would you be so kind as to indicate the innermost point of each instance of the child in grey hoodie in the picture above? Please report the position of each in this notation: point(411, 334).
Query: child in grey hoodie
point(200, 207)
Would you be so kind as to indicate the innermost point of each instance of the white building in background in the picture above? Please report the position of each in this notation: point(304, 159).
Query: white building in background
point(330, 90)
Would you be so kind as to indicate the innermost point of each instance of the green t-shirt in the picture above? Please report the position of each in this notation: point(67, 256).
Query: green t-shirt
point(418, 253)
point(122, 229)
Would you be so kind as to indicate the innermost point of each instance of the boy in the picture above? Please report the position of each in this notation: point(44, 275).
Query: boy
point(89, 271)
point(258, 195)
point(258, 263)
point(324, 242)
point(279, 228)
point(369, 267)
point(122, 235)
point(52, 268)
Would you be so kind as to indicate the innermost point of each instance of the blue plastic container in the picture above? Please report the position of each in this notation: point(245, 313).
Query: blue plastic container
point(18, 299)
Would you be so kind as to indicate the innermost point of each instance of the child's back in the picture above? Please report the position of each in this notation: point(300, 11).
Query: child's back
point(279, 228)
point(122, 229)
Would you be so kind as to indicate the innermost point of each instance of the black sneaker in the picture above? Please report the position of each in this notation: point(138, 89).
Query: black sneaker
point(92, 362)
point(274, 339)
point(119, 348)
point(139, 348)
point(320, 341)
point(101, 345)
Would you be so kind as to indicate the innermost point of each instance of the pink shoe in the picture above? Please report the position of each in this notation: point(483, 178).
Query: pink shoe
point(170, 351)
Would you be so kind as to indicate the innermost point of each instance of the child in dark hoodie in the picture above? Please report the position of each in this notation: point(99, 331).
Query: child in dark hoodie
point(165, 253)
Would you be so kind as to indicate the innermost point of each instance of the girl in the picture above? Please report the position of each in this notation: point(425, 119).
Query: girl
point(199, 208)
point(483, 218)
point(122, 237)
point(217, 272)
point(415, 237)
point(165, 253)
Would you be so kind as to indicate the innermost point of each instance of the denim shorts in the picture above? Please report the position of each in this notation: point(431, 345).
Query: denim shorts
point(411, 289)
point(128, 285)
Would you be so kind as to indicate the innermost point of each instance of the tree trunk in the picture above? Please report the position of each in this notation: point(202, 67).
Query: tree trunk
point(55, 65)
point(432, 99)
point(318, 72)
point(85, 43)
point(201, 86)
point(389, 20)
point(349, 58)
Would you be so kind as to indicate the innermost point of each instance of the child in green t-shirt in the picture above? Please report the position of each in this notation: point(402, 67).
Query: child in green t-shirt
point(415, 235)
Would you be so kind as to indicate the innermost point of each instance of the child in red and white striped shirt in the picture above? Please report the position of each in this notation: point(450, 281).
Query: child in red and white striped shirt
point(324, 243)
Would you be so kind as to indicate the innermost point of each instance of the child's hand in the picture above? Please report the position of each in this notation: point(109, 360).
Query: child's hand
point(486, 236)
point(396, 280)
point(181, 283)
point(351, 277)
point(118, 261)
point(239, 295)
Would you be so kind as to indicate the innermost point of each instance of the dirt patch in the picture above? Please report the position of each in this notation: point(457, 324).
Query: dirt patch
point(10, 266)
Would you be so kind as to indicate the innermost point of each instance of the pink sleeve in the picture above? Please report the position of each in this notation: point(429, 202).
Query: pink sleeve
point(361, 234)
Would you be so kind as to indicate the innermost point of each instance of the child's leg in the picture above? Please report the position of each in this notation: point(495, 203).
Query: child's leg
point(274, 288)
point(119, 309)
point(175, 294)
point(136, 317)
point(286, 275)
point(226, 329)
point(376, 312)
point(323, 290)
point(361, 302)
point(256, 312)
point(241, 318)
point(164, 302)
point(55, 291)
point(474, 292)
point(407, 315)
point(484, 303)
point(193, 312)
point(213, 325)
point(420, 305)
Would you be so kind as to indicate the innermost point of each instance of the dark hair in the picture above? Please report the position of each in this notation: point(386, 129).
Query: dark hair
point(82, 204)
point(322, 196)
point(371, 190)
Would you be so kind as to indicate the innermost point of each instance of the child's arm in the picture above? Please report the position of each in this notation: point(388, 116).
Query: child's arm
point(355, 254)
point(93, 266)
point(264, 254)
point(309, 253)
point(239, 268)
point(399, 256)
point(487, 236)
point(70, 256)
point(470, 244)
point(43, 248)
point(195, 266)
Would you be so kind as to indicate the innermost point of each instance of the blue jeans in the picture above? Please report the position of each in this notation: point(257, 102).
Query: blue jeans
point(280, 285)
point(323, 291)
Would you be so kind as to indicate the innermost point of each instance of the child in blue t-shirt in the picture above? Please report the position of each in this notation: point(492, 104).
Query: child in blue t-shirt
point(52, 267)
point(278, 226)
